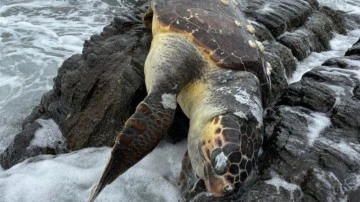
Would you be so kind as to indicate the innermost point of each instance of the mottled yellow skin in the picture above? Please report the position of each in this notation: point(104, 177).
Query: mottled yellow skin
point(195, 101)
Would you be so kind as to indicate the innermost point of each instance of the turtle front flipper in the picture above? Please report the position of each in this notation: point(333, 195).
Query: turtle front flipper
point(140, 135)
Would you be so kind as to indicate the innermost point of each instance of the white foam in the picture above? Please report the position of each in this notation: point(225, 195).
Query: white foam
point(349, 6)
point(318, 123)
point(69, 177)
point(351, 150)
point(348, 73)
point(339, 91)
point(49, 135)
point(266, 8)
point(3, 21)
point(278, 182)
point(339, 45)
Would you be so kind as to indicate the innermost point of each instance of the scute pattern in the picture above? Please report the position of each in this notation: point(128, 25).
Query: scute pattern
point(218, 29)
point(240, 140)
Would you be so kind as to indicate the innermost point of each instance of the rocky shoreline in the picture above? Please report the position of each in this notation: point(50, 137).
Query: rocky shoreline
point(96, 91)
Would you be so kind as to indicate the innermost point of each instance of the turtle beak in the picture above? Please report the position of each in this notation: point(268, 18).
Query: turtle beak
point(216, 185)
point(113, 169)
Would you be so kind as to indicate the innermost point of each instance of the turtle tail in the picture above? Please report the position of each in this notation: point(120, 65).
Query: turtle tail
point(140, 135)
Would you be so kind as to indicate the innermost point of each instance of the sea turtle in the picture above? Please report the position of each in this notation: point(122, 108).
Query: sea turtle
point(204, 57)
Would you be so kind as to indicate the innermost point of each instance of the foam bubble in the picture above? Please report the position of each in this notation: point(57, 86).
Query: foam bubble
point(349, 6)
point(3, 21)
point(350, 150)
point(318, 122)
point(48, 136)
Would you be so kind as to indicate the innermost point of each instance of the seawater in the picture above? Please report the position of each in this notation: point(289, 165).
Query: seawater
point(35, 38)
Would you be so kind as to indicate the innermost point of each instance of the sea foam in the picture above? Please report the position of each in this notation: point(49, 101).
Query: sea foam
point(70, 177)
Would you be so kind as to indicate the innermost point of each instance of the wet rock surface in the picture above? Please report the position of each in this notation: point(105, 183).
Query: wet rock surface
point(279, 16)
point(311, 149)
point(313, 133)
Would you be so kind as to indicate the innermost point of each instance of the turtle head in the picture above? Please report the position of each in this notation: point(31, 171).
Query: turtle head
point(228, 149)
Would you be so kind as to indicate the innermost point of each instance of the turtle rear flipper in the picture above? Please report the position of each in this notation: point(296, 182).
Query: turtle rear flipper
point(140, 135)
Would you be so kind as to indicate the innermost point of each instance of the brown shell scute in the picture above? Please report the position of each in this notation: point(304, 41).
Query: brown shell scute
point(220, 30)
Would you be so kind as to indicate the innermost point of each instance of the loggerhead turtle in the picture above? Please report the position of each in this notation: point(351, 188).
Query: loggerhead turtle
point(204, 57)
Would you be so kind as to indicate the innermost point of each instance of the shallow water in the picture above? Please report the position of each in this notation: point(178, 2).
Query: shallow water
point(35, 37)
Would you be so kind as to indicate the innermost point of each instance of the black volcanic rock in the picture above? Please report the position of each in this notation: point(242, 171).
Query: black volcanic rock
point(354, 50)
point(314, 36)
point(319, 97)
point(280, 15)
point(313, 134)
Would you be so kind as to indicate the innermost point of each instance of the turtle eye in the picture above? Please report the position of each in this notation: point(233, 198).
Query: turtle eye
point(219, 161)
